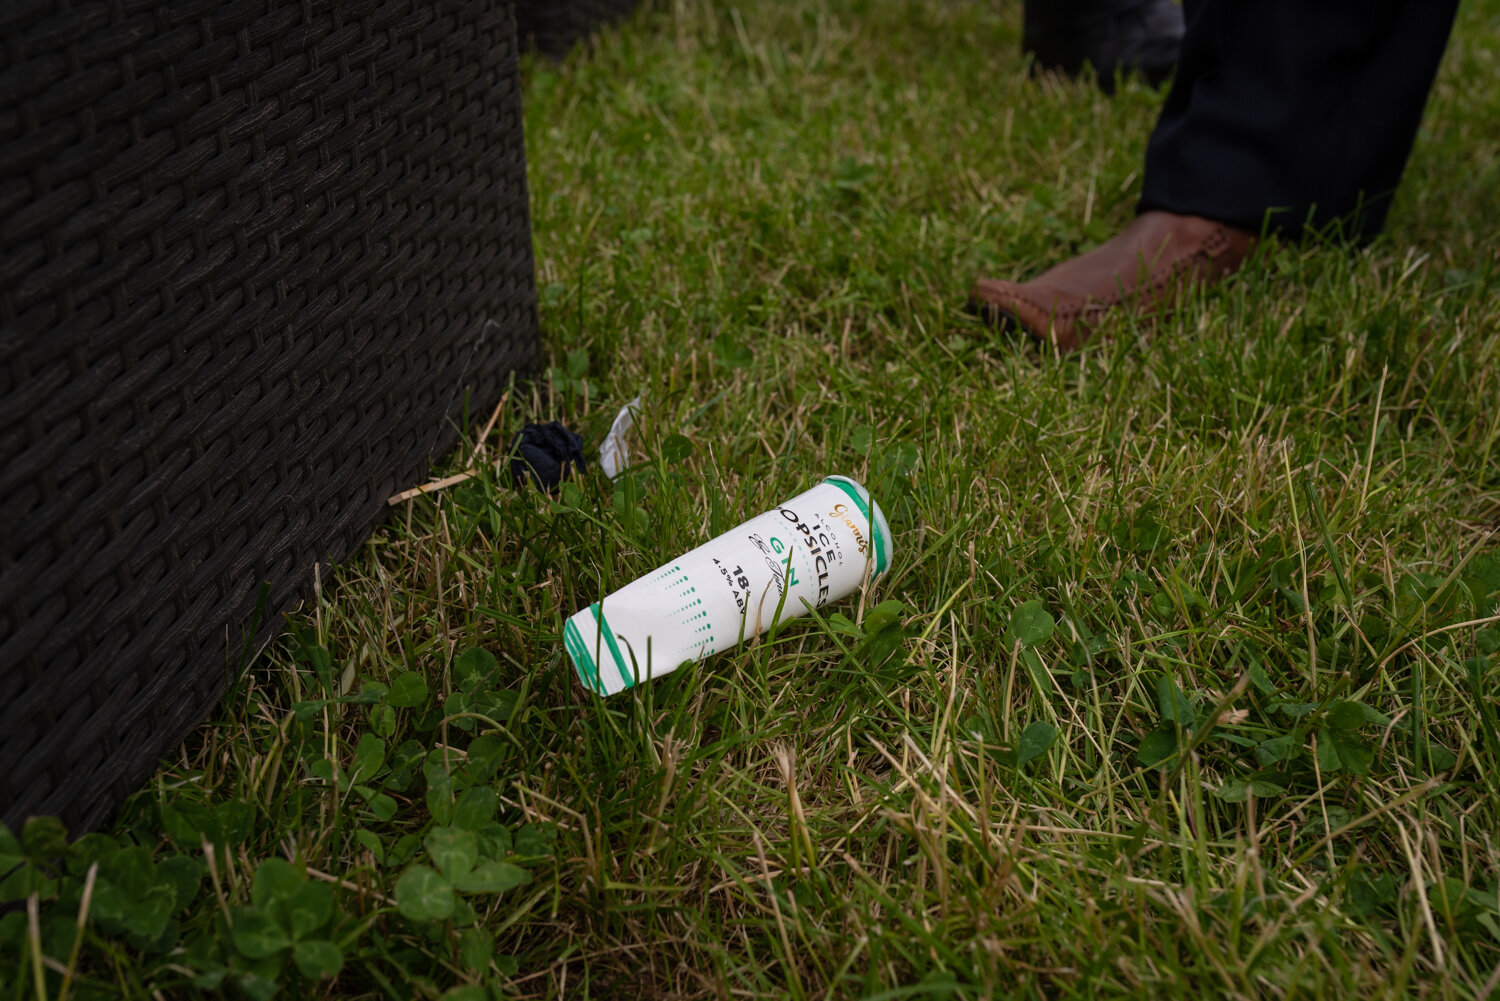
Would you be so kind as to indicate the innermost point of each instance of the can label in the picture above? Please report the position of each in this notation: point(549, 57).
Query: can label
point(815, 548)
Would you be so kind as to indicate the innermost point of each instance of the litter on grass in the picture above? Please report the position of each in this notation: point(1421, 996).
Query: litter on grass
point(545, 454)
point(614, 454)
point(818, 547)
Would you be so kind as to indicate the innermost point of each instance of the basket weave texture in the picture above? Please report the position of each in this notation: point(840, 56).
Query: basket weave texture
point(255, 260)
point(555, 26)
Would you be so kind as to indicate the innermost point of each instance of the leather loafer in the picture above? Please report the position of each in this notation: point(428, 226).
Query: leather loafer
point(1145, 268)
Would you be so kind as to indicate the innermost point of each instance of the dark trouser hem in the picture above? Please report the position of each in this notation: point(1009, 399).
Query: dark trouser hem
point(1295, 115)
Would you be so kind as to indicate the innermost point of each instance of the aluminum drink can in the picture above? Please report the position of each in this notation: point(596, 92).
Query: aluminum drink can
point(818, 547)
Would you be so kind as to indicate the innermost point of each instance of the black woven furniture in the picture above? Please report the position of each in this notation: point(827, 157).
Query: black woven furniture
point(555, 26)
point(255, 258)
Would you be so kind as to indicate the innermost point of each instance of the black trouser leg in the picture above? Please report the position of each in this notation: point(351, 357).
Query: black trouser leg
point(1300, 111)
point(1133, 36)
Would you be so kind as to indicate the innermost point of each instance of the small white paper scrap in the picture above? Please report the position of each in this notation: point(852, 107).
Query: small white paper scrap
point(614, 454)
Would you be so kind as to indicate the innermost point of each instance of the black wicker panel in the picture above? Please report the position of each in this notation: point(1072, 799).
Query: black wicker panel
point(254, 259)
point(555, 26)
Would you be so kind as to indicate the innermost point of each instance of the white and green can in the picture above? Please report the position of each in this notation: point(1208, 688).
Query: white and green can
point(816, 548)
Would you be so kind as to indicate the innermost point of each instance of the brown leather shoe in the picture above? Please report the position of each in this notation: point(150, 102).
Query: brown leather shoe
point(1146, 267)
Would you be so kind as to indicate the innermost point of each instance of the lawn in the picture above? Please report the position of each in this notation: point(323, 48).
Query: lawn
point(1183, 682)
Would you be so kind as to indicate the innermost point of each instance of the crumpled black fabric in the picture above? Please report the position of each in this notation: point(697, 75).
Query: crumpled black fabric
point(546, 454)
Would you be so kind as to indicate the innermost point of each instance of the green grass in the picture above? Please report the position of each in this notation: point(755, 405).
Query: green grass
point(1193, 685)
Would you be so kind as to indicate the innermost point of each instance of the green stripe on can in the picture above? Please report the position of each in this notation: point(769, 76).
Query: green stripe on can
point(878, 543)
point(614, 648)
point(578, 652)
point(848, 488)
